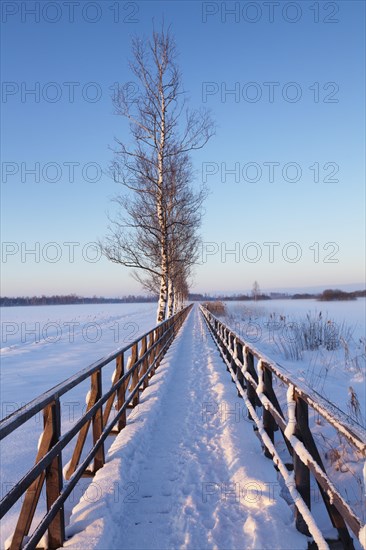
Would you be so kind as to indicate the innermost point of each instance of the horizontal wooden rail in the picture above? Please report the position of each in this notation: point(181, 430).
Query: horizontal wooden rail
point(253, 375)
point(143, 357)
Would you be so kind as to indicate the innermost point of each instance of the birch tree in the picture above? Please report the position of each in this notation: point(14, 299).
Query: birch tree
point(164, 132)
point(183, 212)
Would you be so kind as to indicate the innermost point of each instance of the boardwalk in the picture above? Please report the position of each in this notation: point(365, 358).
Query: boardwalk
point(187, 471)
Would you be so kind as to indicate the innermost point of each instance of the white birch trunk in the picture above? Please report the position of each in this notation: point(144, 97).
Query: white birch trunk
point(163, 296)
point(170, 310)
point(162, 300)
point(175, 302)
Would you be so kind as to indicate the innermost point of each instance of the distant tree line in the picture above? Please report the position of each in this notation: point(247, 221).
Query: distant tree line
point(330, 295)
point(304, 296)
point(230, 298)
point(326, 295)
point(71, 299)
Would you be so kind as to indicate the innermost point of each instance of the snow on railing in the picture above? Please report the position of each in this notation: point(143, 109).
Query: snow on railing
point(144, 356)
point(254, 384)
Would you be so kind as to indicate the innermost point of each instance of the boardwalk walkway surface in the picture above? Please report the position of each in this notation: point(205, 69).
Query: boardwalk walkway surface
point(187, 471)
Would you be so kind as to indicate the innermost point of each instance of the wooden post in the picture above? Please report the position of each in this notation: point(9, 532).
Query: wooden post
point(252, 396)
point(176, 325)
point(144, 365)
point(96, 382)
point(225, 344)
point(224, 337)
point(228, 344)
point(56, 529)
point(302, 473)
point(151, 355)
point(161, 345)
point(93, 398)
point(155, 336)
point(118, 373)
point(34, 491)
point(239, 373)
point(268, 421)
point(158, 347)
point(233, 348)
point(166, 333)
point(121, 392)
point(135, 375)
point(335, 517)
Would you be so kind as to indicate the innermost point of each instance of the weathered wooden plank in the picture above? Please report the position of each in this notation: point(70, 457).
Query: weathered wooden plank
point(56, 529)
point(158, 348)
point(144, 364)
point(118, 372)
point(302, 473)
point(121, 393)
point(268, 420)
point(80, 442)
point(335, 516)
point(239, 372)
point(150, 356)
point(153, 351)
point(97, 423)
point(34, 491)
point(135, 374)
point(252, 396)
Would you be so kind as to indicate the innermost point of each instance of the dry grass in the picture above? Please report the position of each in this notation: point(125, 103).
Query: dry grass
point(354, 407)
point(216, 308)
point(312, 333)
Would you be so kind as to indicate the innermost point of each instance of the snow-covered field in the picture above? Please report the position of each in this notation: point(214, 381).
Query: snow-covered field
point(42, 346)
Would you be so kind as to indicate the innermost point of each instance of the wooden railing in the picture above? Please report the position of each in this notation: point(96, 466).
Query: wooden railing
point(129, 378)
point(253, 375)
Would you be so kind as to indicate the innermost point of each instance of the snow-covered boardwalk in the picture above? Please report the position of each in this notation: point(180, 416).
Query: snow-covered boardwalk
point(187, 471)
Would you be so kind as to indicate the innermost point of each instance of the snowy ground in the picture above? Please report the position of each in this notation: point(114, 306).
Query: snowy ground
point(42, 346)
point(271, 327)
point(188, 470)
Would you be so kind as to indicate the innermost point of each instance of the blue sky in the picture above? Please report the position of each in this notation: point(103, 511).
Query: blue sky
point(303, 62)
